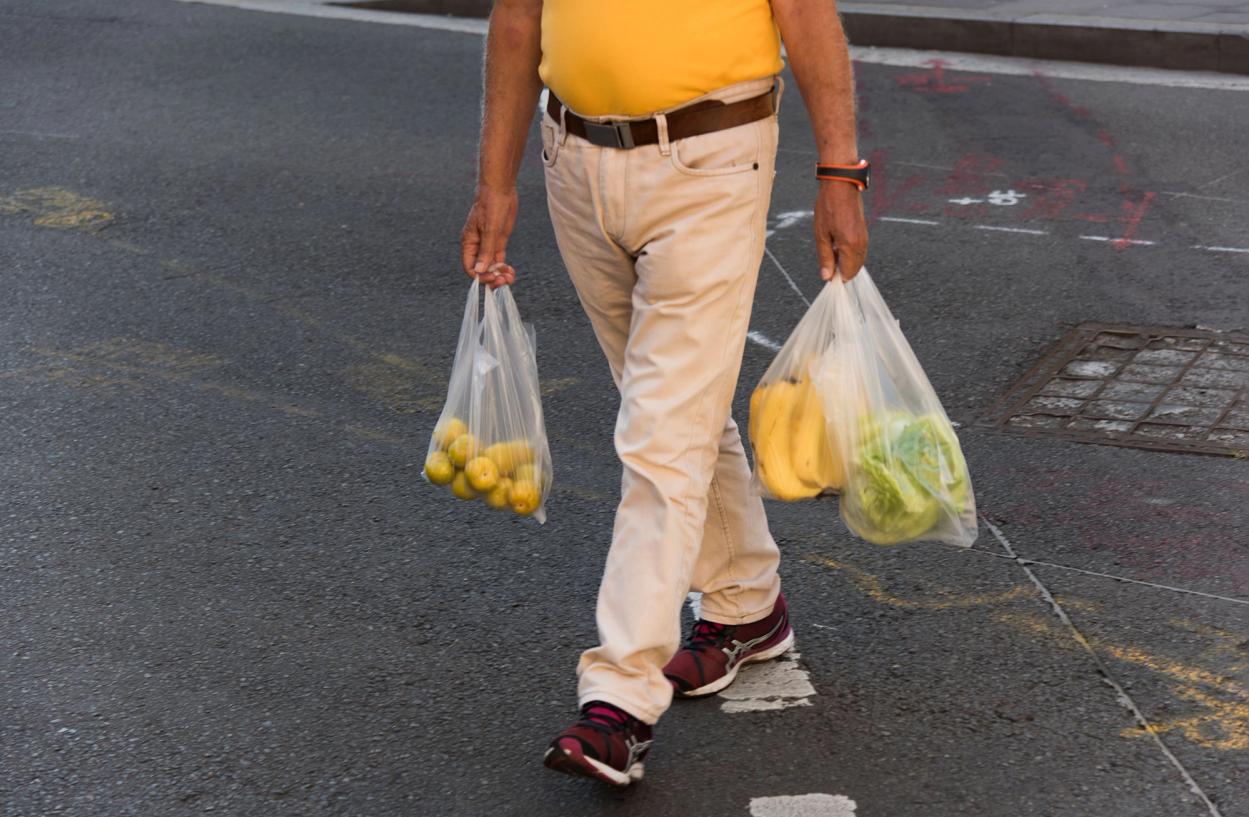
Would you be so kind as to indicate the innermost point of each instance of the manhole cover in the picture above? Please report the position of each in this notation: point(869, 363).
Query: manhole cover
point(1137, 386)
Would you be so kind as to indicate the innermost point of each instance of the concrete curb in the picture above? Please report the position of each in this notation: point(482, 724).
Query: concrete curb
point(1154, 44)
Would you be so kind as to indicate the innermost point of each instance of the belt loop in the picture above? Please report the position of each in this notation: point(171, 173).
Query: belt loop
point(661, 126)
point(563, 125)
point(778, 88)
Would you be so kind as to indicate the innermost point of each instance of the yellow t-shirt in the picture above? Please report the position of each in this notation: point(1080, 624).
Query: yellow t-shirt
point(634, 57)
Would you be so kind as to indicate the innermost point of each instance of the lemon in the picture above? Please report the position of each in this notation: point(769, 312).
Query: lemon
point(510, 455)
point(447, 431)
point(528, 473)
point(482, 473)
point(461, 488)
point(524, 497)
point(498, 496)
point(438, 468)
point(463, 448)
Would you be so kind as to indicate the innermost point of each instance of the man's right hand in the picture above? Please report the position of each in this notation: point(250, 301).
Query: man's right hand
point(483, 241)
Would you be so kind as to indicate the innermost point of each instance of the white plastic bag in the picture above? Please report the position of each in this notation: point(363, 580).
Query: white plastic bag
point(794, 456)
point(490, 441)
point(895, 459)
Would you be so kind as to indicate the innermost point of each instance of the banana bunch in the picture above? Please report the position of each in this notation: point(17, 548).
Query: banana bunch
point(793, 454)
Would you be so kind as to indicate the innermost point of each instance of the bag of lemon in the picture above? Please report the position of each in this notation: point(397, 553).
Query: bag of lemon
point(489, 443)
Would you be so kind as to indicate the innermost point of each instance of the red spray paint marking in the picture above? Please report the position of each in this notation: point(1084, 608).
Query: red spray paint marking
point(1186, 538)
point(1133, 211)
point(967, 177)
point(934, 81)
point(863, 104)
point(1132, 215)
point(1050, 197)
point(883, 195)
point(968, 181)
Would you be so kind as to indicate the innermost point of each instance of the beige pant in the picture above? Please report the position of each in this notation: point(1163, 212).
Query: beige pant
point(663, 243)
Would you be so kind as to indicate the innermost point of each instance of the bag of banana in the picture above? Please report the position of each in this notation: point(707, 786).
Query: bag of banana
point(846, 409)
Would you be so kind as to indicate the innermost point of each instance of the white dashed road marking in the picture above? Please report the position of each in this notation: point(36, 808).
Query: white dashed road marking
point(909, 220)
point(778, 684)
point(1011, 229)
point(1119, 240)
point(802, 805)
point(323, 9)
point(1221, 249)
point(763, 340)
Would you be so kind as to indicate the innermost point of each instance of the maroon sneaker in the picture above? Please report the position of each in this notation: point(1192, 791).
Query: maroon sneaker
point(607, 744)
point(709, 661)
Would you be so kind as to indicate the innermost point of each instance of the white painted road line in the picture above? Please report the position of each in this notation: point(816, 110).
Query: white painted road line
point(778, 684)
point(788, 278)
point(909, 220)
point(1010, 229)
point(802, 805)
point(1057, 69)
point(1117, 240)
point(951, 61)
point(321, 8)
point(1221, 249)
point(763, 340)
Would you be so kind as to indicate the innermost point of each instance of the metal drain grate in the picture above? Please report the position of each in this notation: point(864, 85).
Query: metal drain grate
point(1138, 386)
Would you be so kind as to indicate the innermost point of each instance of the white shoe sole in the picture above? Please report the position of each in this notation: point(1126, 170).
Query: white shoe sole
point(776, 651)
point(600, 771)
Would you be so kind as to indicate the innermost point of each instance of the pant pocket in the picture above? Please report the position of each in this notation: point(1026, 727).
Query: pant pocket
point(720, 153)
point(550, 140)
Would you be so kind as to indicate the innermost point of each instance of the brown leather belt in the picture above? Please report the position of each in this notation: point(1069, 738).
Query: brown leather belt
point(701, 117)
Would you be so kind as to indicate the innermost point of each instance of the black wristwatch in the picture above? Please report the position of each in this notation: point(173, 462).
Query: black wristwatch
point(859, 174)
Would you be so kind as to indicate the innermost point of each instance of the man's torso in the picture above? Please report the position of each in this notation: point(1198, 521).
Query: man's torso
point(607, 57)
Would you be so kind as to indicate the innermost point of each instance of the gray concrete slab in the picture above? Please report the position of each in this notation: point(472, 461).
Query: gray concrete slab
point(1187, 670)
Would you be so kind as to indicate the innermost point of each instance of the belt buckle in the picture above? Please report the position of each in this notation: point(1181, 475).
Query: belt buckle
point(609, 135)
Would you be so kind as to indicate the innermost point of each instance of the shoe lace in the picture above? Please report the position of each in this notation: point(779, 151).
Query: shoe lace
point(707, 633)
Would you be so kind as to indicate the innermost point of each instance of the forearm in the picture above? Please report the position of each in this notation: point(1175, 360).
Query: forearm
point(820, 59)
point(512, 85)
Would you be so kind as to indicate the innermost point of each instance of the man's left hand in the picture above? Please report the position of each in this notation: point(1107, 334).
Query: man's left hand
point(840, 230)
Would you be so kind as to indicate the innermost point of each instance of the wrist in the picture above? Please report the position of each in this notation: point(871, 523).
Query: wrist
point(847, 174)
point(493, 189)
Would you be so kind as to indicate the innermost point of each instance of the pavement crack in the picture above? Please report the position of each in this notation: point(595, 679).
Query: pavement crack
point(1121, 694)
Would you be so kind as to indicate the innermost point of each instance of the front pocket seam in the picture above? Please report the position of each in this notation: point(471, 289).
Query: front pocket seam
point(732, 170)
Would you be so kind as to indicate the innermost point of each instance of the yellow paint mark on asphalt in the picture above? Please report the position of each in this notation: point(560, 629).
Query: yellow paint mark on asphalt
point(1228, 720)
point(1224, 725)
point(296, 411)
point(375, 435)
point(579, 493)
point(872, 587)
point(391, 386)
point(390, 378)
point(127, 246)
point(74, 378)
point(1222, 721)
point(431, 403)
point(58, 208)
point(90, 366)
point(556, 385)
point(1175, 669)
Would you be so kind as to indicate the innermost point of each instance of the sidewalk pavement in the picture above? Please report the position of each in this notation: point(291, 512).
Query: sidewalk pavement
point(1194, 35)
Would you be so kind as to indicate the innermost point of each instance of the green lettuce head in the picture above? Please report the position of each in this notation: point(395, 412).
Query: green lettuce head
point(907, 471)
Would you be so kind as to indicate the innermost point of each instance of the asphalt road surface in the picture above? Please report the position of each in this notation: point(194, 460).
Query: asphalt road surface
point(230, 299)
